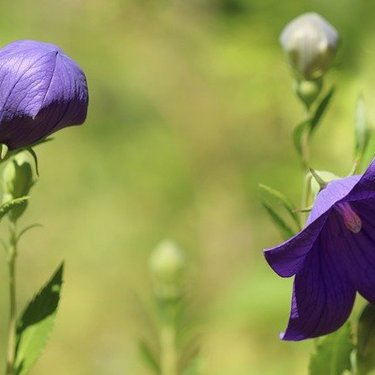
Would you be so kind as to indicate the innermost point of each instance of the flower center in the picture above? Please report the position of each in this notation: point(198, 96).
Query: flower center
point(351, 219)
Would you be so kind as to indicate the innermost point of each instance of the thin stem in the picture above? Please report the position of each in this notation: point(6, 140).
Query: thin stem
point(306, 185)
point(305, 146)
point(11, 345)
point(305, 150)
point(168, 344)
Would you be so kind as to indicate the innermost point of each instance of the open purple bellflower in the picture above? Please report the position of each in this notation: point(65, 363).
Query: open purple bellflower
point(42, 90)
point(331, 258)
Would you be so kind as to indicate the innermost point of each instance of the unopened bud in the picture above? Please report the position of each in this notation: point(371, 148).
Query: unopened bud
point(308, 91)
point(18, 178)
point(310, 44)
point(167, 263)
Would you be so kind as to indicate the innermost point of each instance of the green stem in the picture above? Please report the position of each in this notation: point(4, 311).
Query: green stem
point(11, 345)
point(306, 185)
point(305, 150)
point(168, 345)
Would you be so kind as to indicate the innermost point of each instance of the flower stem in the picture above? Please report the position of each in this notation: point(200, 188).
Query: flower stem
point(168, 344)
point(306, 187)
point(11, 345)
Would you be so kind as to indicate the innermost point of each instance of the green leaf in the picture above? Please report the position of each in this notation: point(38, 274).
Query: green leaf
point(36, 323)
point(321, 109)
point(362, 131)
point(26, 229)
point(284, 201)
point(366, 340)
point(298, 133)
point(149, 357)
point(332, 356)
point(7, 206)
point(285, 230)
point(311, 124)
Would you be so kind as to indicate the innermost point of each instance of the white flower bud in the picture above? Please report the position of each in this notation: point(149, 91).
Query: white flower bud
point(310, 43)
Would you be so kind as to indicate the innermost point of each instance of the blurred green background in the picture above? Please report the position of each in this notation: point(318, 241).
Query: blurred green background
point(190, 108)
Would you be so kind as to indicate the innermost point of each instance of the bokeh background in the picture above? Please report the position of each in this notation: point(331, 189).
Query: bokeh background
point(191, 107)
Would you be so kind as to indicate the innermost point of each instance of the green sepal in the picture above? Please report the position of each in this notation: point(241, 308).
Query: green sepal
point(36, 322)
point(3, 151)
point(148, 357)
point(366, 340)
point(35, 157)
point(283, 201)
point(333, 353)
point(325, 177)
point(285, 230)
point(8, 206)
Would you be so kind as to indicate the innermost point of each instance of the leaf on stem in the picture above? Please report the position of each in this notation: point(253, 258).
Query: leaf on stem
point(283, 201)
point(7, 206)
point(320, 110)
point(285, 230)
point(362, 129)
point(332, 356)
point(149, 357)
point(26, 229)
point(366, 340)
point(311, 123)
point(298, 133)
point(36, 322)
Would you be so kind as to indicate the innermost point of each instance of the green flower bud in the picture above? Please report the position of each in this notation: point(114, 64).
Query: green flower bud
point(308, 91)
point(18, 178)
point(167, 263)
point(310, 44)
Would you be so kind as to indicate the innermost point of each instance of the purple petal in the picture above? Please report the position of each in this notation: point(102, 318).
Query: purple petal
point(332, 193)
point(359, 252)
point(287, 259)
point(365, 188)
point(323, 294)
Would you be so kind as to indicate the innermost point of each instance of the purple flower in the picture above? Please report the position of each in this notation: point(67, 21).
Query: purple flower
point(42, 90)
point(331, 258)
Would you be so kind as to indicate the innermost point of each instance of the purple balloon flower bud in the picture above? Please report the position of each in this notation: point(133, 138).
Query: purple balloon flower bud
point(310, 43)
point(42, 90)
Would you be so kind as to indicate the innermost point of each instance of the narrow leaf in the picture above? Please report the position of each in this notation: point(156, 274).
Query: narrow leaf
point(298, 133)
point(7, 206)
point(35, 324)
point(332, 356)
point(285, 231)
point(362, 131)
point(366, 340)
point(149, 357)
point(284, 201)
point(26, 229)
point(321, 109)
